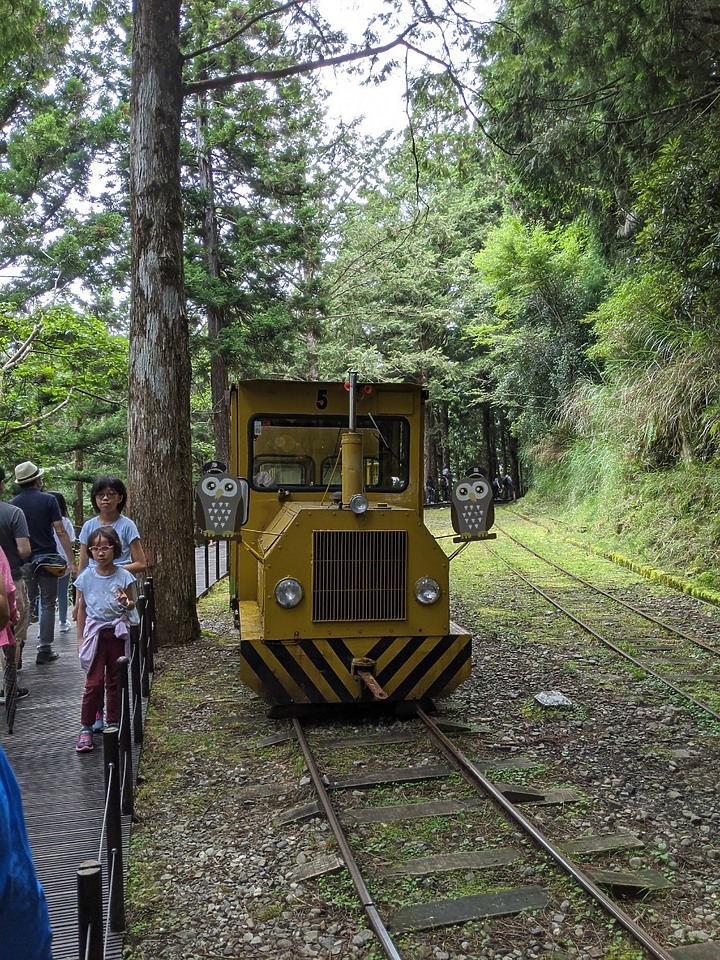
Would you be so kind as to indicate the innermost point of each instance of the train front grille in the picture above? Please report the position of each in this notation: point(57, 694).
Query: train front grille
point(359, 575)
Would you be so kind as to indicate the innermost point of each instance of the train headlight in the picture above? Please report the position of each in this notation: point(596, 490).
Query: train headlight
point(358, 504)
point(427, 590)
point(289, 592)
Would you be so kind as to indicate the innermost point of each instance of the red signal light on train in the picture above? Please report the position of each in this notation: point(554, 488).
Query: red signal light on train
point(367, 389)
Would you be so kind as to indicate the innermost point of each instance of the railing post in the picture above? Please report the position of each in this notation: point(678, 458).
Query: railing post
point(217, 560)
point(90, 911)
point(125, 737)
point(113, 830)
point(137, 717)
point(148, 658)
point(149, 590)
point(206, 557)
point(144, 646)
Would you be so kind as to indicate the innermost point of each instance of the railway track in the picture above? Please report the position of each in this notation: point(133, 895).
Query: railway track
point(496, 846)
point(671, 628)
point(657, 647)
point(672, 656)
point(701, 601)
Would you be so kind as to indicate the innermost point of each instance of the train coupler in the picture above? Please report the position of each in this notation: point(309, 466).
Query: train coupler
point(361, 667)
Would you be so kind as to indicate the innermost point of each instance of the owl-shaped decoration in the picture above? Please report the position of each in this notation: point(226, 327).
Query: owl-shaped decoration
point(471, 509)
point(221, 506)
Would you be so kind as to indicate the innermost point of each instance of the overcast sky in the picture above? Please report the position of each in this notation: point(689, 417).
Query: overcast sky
point(383, 106)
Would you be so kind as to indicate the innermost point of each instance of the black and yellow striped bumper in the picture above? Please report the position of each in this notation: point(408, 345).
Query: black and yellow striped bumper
point(321, 670)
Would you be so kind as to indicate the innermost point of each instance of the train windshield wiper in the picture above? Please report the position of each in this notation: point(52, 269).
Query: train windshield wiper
point(379, 432)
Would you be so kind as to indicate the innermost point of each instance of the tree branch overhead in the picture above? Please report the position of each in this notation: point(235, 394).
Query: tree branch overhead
point(233, 79)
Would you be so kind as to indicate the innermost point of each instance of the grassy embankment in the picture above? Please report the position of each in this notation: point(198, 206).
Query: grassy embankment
point(664, 524)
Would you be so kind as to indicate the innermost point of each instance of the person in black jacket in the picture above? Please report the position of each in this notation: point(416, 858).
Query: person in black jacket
point(43, 516)
point(429, 490)
point(508, 487)
point(445, 484)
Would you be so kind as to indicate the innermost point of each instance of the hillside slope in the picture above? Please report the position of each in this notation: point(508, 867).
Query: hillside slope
point(667, 522)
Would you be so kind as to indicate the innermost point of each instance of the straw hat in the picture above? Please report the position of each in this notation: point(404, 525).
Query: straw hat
point(27, 472)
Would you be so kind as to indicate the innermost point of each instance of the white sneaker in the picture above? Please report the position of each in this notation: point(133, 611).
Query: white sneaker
point(64, 626)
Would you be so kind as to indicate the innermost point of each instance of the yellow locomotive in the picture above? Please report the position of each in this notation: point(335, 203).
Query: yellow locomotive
point(340, 591)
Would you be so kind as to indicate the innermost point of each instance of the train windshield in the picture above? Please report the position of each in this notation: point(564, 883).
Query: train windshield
point(305, 452)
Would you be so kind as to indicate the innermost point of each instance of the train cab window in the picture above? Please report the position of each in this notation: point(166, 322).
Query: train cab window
point(303, 452)
point(331, 471)
point(283, 470)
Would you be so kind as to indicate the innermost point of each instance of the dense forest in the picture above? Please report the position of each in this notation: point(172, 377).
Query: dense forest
point(539, 245)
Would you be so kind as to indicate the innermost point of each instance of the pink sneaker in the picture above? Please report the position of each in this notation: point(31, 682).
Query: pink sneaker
point(85, 742)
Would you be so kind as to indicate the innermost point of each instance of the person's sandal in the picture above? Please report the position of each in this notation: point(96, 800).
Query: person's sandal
point(85, 742)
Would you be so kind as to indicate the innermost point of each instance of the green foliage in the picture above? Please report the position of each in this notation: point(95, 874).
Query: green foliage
point(400, 289)
point(608, 114)
point(400, 293)
point(659, 333)
point(59, 115)
point(31, 33)
point(595, 333)
point(662, 523)
point(62, 387)
point(255, 195)
point(338, 890)
point(537, 286)
point(581, 96)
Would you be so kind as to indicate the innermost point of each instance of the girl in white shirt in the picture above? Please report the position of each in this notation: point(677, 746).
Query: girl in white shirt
point(105, 610)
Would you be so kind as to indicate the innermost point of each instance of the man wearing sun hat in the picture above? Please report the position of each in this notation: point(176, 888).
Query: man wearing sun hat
point(43, 516)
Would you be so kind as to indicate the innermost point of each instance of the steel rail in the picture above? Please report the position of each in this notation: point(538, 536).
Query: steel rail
point(476, 778)
point(378, 927)
point(608, 643)
point(604, 593)
point(605, 556)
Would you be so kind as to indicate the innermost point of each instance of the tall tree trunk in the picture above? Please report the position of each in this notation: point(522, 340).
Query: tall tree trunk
point(505, 466)
point(515, 465)
point(313, 322)
point(159, 466)
point(311, 341)
point(443, 420)
point(431, 465)
point(78, 513)
point(216, 318)
point(488, 440)
point(430, 470)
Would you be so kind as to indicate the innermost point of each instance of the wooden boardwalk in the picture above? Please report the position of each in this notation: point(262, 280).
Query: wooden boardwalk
point(63, 791)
